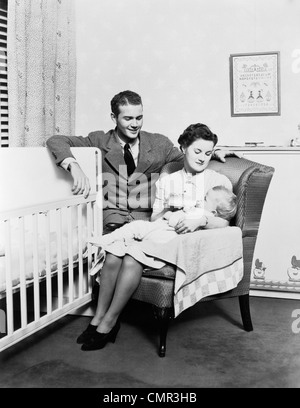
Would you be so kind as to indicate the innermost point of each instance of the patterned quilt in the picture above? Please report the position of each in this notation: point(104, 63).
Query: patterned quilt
point(207, 262)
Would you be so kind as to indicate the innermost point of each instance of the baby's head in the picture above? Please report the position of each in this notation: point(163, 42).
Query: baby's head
point(221, 201)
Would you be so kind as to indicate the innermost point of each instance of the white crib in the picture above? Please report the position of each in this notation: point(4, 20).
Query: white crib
point(45, 256)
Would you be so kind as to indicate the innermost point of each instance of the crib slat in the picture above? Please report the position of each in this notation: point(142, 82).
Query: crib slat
point(80, 263)
point(9, 293)
point(36, 285)
point(48, 264)
point(70, 254)
point(98, 203)
point(89, 234)
point(23, 294)
point(98, 219)
point(59, 258)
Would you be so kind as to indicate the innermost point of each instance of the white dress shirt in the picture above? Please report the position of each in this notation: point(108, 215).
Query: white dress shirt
point(134, 149)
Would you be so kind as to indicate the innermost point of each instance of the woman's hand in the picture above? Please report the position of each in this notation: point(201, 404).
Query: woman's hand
point(185, 226)
point(81, 184)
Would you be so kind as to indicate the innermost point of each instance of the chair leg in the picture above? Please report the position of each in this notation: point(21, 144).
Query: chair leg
point(163, 316)
point(245, 312)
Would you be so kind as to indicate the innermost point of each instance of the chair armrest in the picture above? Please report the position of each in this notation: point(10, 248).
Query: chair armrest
point(251, 191)
point(247, 232)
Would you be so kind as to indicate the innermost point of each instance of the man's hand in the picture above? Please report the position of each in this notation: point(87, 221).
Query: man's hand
point(81, 183)
point(220, 154)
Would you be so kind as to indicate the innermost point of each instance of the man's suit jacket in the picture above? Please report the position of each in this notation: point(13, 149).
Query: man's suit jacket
point(122, 195)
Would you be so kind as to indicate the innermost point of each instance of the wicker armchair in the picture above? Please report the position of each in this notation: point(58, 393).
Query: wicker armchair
point(250, 183)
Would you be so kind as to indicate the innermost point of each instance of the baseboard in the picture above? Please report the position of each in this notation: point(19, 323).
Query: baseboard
point(274, 294)
point(86, 310)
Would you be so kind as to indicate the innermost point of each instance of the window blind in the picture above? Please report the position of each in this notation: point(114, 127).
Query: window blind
point(3, 75)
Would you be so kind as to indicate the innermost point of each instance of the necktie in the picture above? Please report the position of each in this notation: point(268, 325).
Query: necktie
point(129, 160)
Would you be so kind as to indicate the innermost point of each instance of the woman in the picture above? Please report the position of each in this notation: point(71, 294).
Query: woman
point(121, 274)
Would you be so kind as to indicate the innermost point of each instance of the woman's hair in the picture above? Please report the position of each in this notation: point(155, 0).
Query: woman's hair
point(124, 98)
point(227, 204)
point(195, 132)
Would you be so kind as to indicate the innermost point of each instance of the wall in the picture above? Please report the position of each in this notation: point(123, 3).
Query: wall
point(175, 53)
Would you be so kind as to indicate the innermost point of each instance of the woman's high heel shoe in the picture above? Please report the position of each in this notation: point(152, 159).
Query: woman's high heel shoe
point(99, 340)
point(87, 334)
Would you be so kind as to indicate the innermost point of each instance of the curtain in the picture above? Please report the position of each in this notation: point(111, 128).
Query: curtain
point(41, 70)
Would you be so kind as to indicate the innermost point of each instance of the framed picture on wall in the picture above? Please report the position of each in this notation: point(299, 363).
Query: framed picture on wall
point(255, 84)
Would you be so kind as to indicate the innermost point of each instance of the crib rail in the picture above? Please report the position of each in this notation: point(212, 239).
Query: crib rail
point(46, 264)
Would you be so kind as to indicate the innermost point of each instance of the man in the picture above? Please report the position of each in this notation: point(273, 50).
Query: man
point(131, 161)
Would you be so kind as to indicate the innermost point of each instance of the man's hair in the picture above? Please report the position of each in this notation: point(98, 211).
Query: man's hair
point(227, 205)
point(124, 98)
point(195, 132)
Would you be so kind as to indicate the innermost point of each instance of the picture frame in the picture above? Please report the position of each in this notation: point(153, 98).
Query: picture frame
point(255, 84)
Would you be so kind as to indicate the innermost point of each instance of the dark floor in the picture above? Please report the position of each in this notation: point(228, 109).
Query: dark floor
point(206, 348)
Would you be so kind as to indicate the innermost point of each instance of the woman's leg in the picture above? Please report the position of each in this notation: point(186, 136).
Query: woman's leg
point(127, 282)
point(109, 276)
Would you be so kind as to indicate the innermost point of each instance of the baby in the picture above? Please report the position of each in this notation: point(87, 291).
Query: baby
point(219, 201)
